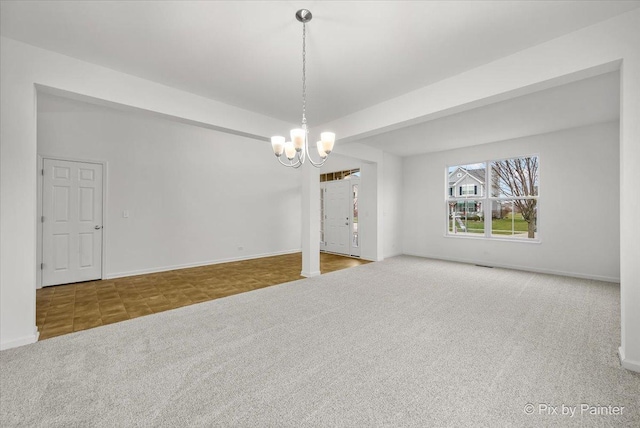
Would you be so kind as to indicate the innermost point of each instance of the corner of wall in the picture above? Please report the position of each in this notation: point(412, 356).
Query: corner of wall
point(626, 363)
point(21, 341)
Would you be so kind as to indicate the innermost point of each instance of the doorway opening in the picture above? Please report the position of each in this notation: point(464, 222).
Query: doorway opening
point(339, 231)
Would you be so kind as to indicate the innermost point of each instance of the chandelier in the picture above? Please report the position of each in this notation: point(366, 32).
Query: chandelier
point(297, 150)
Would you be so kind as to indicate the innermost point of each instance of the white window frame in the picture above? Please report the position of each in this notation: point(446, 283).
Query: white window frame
point(487, 201)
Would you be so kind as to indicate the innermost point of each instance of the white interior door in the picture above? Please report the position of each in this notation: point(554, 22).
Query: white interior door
point(72, 222)
point(337, 219)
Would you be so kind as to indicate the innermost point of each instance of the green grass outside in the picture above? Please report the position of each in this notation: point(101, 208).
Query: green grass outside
point(498, 226)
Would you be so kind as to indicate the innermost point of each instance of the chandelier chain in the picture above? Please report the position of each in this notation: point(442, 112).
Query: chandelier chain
point(304, 73)
point(296, 151)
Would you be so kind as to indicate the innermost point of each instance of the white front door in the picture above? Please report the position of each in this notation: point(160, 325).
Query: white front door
point(337, 221)
point(72, 222)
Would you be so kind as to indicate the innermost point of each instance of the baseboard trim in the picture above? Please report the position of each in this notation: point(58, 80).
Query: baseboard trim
point(198, 264)
point(394, 254)
point(626, 363)
point(523, 268)
point(352, 256)
point(310, 274)
point(21, 341)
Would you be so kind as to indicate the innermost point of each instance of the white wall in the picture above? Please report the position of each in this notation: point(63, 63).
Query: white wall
point(368, 199)
point(194, 195)
point(578, 222)
point(337, 162)
point(392, 182)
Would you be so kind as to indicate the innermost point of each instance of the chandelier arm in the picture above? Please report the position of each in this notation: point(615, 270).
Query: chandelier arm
point(290, 164)
point(296, 165)
point(302, 155)
point(307, 154)
point(317, 164)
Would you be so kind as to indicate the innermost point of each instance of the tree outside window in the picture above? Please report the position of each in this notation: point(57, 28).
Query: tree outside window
point(515, 181)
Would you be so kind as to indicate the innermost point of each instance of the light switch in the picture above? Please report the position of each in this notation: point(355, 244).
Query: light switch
point(125, 214)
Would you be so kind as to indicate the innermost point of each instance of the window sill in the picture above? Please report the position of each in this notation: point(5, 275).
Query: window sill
point(484, 238)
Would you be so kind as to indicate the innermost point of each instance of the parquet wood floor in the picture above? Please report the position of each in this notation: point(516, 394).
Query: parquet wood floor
point(63, 309)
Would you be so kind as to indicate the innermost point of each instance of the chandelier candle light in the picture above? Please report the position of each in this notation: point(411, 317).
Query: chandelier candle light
point(296, 150)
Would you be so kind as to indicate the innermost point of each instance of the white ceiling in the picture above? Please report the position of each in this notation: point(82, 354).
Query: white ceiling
point(248, 54)
point(585, 102)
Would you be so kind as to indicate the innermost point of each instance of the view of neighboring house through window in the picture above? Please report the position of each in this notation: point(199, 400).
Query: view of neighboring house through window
point(508, 210)
point(466, 184)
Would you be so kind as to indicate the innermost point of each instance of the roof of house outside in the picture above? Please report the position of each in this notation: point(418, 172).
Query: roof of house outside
point(478, 174)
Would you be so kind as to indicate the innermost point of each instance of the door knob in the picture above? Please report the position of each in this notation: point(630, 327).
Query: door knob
point(346, 224)
point(97, 227)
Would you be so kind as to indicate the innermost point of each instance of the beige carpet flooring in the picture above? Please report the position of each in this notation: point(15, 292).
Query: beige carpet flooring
point(407, 342)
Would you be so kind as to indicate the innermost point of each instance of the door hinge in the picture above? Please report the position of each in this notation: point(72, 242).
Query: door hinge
point(42, 219)
point(42, 171)
point(41, 266)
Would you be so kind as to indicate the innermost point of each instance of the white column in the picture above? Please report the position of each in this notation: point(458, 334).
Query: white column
point(370, 211)
point(629, 211)
point(310, 220)
point(17, 206)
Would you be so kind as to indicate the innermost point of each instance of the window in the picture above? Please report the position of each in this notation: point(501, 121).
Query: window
point(340, 175)
point(464, 210)
point(508, 210)
point(355, 241)
point(322, 215)
point(468, 189)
